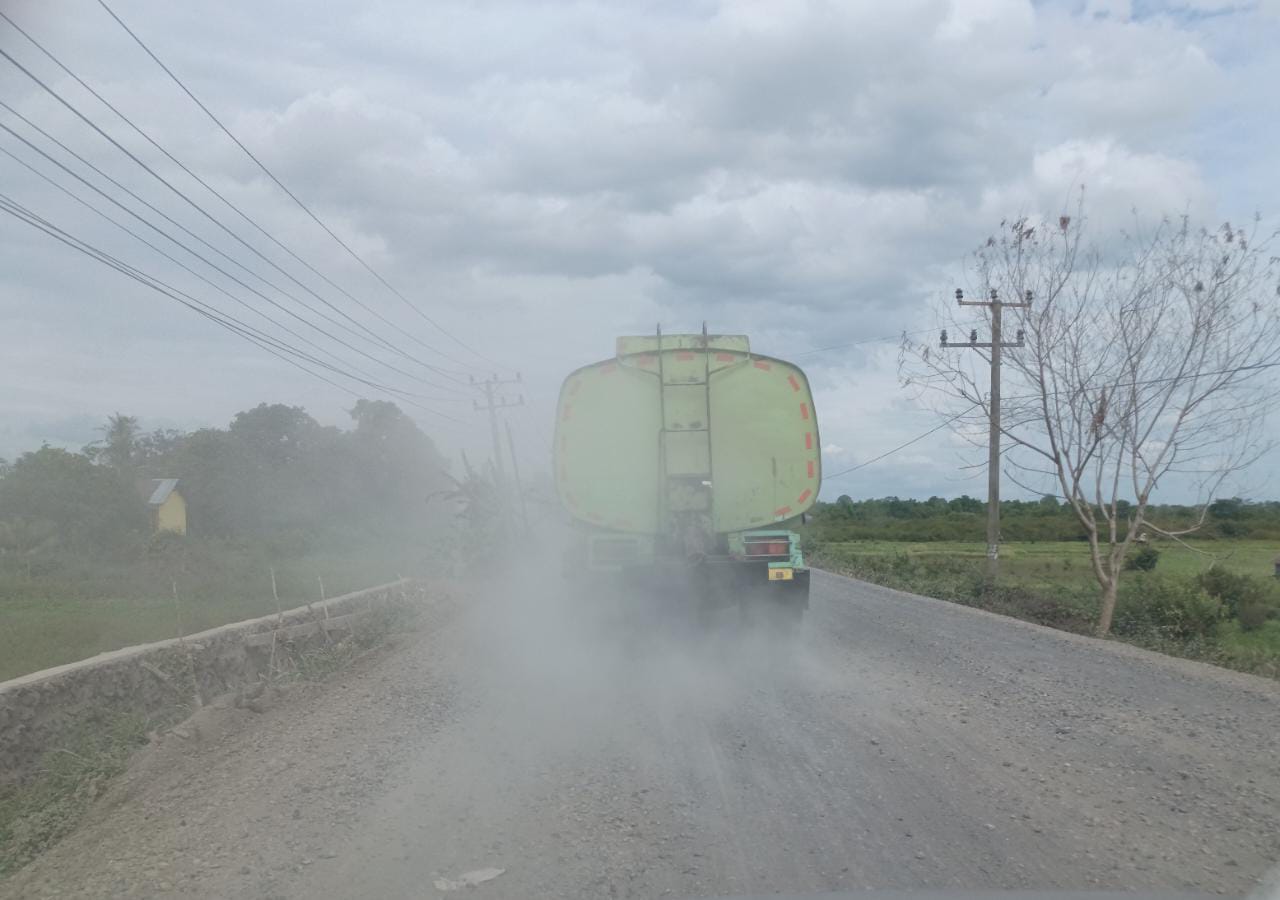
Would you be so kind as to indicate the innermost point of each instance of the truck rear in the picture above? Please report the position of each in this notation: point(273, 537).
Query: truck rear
point(686, 460)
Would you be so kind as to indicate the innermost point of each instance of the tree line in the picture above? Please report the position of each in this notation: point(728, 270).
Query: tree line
point(1046, 519)
point(273, 473)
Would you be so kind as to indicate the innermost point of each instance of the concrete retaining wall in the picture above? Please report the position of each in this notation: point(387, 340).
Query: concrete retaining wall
point(42, 709)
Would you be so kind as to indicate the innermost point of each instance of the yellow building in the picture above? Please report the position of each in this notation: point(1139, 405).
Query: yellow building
point(168, 508)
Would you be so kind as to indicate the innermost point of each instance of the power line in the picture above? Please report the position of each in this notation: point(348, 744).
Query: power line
point(197, 255)
point(233, 324)
point(902, 446)
point(230, 322)
point(343, 244)
point(373, 335)
point(137, 129)
point(858, 343)
point(239, 326)
point(196, 237)
point(205, 279)
point(971, 407)
point(188, 249)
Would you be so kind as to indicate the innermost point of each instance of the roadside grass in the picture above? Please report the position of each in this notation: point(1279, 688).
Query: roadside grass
point(1052, 584)
point(317, 660)
point(1056, 562)
point(1250, 651)
point(71, 608)
point(36, 813)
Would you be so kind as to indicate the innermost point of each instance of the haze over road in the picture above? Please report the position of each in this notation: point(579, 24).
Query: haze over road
point(905, 743)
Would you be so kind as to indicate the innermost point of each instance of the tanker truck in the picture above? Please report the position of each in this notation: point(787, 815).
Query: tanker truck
point(685, 461)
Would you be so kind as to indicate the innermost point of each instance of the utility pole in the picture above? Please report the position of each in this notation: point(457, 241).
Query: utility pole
point(996, 345)
point(515, 470)
point(492, 404)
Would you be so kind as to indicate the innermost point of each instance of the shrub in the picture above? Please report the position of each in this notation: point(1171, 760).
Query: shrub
point(1237, 591)
point(166, 544)
point(1063, 609)
point(1144, 559)
point(1253, 615)
point(1177, 609)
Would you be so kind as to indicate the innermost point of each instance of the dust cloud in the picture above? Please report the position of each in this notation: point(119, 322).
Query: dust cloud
point(562, 670)
point(597, 736)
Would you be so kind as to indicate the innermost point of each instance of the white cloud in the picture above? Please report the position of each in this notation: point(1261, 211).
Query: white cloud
point(541, 179)
point(1121, 10)
point(1116, 181)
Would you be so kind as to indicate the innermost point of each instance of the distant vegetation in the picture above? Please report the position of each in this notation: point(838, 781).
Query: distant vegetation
point(81, 570)
point(1047, 519)
point(274, 473)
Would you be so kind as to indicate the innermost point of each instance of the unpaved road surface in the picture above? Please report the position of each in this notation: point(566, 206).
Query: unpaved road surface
point(904, 743)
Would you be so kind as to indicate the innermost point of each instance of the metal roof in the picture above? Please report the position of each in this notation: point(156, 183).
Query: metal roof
point(160, 489)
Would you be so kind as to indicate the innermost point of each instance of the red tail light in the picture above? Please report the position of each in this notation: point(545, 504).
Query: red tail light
point(768, 548)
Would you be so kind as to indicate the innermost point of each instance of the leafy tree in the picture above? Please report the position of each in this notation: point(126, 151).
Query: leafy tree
point(1144, 559)
point(153, 450)
point(273, 474)
point(89, 506)
point(208, 475)
point(27, 539)
point(276, 435)
point(398, 463)
point(1227, 508)
point(117, 446)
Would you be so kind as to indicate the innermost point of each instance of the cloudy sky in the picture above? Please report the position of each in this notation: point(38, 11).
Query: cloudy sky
point(538, 177)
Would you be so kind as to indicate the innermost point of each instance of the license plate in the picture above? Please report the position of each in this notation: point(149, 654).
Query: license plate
point(782, 574)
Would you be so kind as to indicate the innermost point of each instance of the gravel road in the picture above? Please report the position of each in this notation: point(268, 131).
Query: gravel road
point(901, 743)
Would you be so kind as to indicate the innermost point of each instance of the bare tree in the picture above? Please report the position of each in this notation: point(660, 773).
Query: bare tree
point(1144, 361)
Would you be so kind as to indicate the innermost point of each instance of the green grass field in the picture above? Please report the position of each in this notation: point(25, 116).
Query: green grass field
point(1053, 563)
point(82, 608)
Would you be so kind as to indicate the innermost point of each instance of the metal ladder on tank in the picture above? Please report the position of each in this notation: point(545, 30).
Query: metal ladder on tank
point(684, 455)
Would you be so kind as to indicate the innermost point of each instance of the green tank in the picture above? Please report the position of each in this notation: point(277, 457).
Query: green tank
point(688, 455)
